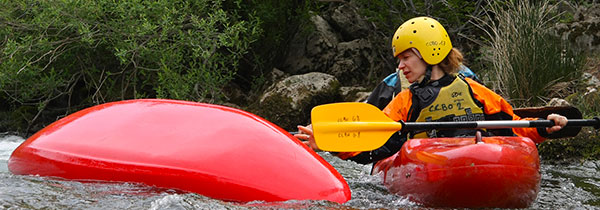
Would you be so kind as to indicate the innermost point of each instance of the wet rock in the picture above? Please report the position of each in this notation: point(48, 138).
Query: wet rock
point(352, 62)
point(312, 49)
point(584, 28)
point(288, 102)
point(558, 102)
point(342, 43)
point(338, 47)
point(590, 79)
point(592, 83)
point(351, 26)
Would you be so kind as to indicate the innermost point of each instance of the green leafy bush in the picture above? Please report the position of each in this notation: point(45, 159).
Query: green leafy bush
point(72, 54)
point(279, 21)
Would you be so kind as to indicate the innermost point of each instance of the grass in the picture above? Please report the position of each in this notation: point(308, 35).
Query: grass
point(529, 65)
point(527, 60)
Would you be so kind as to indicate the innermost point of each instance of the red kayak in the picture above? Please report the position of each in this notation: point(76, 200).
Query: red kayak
point(499, 172)
point(213, 150)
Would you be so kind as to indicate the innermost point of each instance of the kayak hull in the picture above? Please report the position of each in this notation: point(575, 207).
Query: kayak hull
point(499, 172)
point(213, 150)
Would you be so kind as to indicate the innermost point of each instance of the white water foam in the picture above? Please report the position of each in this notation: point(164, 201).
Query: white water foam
point(8, 144)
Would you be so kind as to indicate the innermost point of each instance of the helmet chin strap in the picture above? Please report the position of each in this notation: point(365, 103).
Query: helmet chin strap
point(427, 77)
point(428, 70)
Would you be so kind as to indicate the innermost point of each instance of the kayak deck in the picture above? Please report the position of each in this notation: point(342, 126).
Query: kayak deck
point(500, 172)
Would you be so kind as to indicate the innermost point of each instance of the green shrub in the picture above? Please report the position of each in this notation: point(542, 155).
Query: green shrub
point(527, 60)
point(279, 21)
point(73, 54)
point(581, 147)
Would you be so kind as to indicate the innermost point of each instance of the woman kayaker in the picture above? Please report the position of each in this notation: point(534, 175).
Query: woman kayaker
point(428, 61)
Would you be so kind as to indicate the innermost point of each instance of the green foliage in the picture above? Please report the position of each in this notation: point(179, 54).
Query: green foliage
point(77, 53)
point(586, 144)
point(279, 21)
point(527, 59)
point(582, 146)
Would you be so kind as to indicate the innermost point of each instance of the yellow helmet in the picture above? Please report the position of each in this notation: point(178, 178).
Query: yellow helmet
point(425, 34)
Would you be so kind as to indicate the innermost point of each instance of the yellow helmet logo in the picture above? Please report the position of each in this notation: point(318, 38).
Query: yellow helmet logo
point(424, 34)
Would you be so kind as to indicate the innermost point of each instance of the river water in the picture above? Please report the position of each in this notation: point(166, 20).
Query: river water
point(574, 186)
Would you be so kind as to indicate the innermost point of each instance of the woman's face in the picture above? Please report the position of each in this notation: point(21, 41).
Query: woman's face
point(411, 65)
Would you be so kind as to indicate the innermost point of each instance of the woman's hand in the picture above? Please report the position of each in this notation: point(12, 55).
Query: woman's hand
point(559, 122)
point(305, 134)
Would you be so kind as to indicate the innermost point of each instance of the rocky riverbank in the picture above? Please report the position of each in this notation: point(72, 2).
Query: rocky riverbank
point(341, 51)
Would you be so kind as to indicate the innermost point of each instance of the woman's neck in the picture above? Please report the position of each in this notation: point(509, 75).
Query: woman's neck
point(436, 74)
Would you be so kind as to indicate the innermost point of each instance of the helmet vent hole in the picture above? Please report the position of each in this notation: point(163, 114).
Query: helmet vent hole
point(432, 26)
point(438, 54)
point(412, 22)
point(414, 31)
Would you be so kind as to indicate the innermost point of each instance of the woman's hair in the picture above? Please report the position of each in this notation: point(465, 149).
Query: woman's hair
point(452, 62)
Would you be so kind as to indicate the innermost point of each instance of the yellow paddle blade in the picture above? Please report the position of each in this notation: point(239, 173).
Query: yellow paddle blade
point(351, 127)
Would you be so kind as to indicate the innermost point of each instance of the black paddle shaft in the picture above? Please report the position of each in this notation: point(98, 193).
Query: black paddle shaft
point(496, 124)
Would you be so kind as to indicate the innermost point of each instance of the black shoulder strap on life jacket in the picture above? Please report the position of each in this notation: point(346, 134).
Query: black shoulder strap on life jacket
point(424, 95)
point(427, 77)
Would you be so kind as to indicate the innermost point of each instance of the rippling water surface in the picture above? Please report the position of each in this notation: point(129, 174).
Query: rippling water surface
point(575, 186)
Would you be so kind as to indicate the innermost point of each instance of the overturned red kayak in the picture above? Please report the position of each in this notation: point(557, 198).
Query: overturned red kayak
point(499, 172)
point(213, 150)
